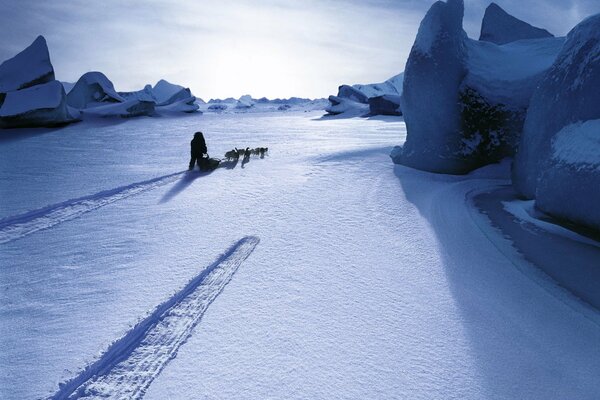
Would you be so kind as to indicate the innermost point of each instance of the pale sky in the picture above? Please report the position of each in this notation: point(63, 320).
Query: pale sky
point(222, 48)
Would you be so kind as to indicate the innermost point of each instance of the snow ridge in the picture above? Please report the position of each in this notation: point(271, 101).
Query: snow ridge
point(19, 226)
point(130, 364)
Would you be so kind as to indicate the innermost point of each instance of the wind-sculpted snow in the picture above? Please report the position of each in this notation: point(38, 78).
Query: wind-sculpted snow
point(500, 27)
point(19, 226)
point(28, 68)
point(128, 367)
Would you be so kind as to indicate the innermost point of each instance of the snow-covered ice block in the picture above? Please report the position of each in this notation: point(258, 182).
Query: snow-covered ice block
point(28, 68)
point(500, 27)
point(434, 71)
point(352, 93)
point(40, 105)
point(465, 101)
point(146, 94)
point(245, 102)
point(92, 90)
point(391, 86)
point(340, 105)
point(387, 104)
point(164, 90)
point(185, 105)
point(129, 108)
point(567, 93)
point(569, 185)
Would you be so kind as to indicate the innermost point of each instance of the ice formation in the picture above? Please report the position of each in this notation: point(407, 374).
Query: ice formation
point(29, 94)
point(28, 68)
point(91, 90)
point(465, 101)
point(350, 99)
point(553, 163)
point(500, 27)
point(39, 105)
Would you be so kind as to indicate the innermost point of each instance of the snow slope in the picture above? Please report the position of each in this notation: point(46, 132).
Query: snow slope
point(368, 282)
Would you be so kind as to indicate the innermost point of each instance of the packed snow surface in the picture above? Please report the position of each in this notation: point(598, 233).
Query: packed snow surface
point(369, 281)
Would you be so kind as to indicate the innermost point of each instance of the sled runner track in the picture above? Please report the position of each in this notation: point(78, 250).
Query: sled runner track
point(19, 226)
point(128, 367)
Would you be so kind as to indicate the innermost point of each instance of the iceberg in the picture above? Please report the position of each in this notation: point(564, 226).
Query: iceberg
point(128, 108)
point(37, 106)
point(499, 27)
point(568, 186)
point(555, 163)
point(387, 104)
point(430, 100)
point(91, 90)
point(28, 68)
point(341, 105)
point(465, 101)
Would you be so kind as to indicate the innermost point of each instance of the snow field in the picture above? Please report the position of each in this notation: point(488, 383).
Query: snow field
point(370, 281)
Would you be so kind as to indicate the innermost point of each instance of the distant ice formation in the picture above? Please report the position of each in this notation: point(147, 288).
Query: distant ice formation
point(379, 97)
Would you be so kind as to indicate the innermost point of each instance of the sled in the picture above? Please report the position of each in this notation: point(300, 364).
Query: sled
point(210, 164)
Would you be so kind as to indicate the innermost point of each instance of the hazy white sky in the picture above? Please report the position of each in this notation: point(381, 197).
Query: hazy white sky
point(222, 48)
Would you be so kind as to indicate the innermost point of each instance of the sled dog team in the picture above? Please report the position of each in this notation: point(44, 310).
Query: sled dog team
point(236, 153)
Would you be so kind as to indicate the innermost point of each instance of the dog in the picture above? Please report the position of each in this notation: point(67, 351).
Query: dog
point(232, 155)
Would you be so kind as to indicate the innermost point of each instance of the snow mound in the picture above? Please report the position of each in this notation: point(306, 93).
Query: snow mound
point(387, 104)
point(568, 93)
point(91, 90)
point(146, 94)
point(39, 105)
point(28, 68)
point(465, 101)
point(499, 27)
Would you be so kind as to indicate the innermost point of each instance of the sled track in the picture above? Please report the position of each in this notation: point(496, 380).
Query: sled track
point(128, 367)
point(19, 226)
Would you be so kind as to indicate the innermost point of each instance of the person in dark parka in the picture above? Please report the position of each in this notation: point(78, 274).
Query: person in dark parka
point(198, 147)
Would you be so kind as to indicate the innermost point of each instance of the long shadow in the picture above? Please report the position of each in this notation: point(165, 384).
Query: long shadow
point(496, 313)
point(186, 180)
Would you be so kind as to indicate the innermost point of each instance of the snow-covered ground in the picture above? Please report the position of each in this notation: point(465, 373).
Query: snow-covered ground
point(362, 279)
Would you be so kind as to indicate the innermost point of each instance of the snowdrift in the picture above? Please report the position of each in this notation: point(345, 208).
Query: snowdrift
point(465, 101)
